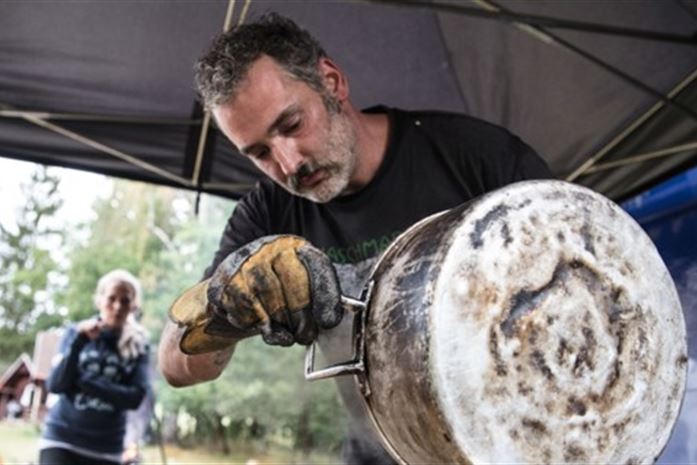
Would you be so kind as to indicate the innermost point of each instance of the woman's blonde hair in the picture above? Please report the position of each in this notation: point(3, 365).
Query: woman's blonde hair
point(121, 276)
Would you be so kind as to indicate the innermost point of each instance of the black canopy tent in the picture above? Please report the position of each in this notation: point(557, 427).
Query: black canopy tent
point(606, 92)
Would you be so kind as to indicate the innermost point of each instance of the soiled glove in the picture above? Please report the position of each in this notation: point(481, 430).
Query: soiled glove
point(279, 286)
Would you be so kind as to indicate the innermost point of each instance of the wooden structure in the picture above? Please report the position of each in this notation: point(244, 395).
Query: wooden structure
point(13, 383)
point(23, 383)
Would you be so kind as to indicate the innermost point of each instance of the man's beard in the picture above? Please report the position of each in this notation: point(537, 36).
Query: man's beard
point(337, 159)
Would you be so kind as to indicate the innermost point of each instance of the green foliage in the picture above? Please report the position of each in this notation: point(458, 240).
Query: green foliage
point(190, 250)
point(259, 395)
point(30, 277)
point(263, 389)
point(132, 228)
point(154, 233)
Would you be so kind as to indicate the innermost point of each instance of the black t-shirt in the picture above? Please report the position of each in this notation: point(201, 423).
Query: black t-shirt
point(434, 161)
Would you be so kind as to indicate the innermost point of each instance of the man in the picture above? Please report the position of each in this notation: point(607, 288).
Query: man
point(343, 184)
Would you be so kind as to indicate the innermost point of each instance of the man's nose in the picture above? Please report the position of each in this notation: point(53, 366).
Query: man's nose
point(288, 157)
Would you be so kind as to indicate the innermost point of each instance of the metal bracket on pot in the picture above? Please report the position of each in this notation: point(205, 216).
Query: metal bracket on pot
point(356, 366)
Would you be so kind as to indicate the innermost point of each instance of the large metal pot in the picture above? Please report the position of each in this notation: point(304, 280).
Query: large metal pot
point(535, 324)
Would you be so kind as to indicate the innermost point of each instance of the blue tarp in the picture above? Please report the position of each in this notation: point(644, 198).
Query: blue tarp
point(668, 213)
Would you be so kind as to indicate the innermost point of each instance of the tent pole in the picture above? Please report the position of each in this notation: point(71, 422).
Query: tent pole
point(532, 25)
point(642, 157)
point(539, 21)
point(6, 112)
point(692, 114)
point(205, 125)
point(631, 128)
point(529, 25)
point(106, 149)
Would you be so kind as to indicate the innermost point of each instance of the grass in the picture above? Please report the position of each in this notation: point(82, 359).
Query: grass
point(18, 445)
point(18, 441)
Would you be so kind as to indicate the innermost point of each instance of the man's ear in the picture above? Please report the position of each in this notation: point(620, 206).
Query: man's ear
point(334, 79)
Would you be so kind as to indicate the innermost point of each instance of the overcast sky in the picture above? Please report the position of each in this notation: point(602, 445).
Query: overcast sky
point(78, 190)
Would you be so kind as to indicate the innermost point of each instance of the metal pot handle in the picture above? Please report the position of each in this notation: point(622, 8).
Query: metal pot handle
point(356, 366)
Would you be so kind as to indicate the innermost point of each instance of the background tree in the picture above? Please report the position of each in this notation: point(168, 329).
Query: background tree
point(261, 399)
point(130, 230)
point(30, 276)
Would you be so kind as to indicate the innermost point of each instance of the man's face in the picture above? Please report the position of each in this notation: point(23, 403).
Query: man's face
point(286, 129)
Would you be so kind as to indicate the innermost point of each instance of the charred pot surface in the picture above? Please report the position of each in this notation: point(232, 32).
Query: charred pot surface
point(553, 332)
point(403, 399)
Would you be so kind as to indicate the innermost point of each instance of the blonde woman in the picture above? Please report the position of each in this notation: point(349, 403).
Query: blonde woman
point(100, 372)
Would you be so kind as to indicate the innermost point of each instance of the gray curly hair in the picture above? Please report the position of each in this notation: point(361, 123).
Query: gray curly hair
point(219, 72)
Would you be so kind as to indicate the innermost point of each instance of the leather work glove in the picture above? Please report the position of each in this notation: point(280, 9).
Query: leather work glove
point(280, 286)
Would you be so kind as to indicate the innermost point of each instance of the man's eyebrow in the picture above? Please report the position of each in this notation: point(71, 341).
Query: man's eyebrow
point(283, 118)
point(280, 120)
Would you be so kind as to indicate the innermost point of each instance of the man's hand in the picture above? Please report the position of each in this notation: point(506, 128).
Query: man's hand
point(279, 286)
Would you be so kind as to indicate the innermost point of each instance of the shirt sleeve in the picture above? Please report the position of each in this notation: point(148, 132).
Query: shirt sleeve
point(511, 160)
point(480, 157)
point(65, 369)
point(528, 164)
point(127, 395)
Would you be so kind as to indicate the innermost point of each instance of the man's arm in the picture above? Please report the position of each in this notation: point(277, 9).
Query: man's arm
point(180, 369)
point(278, 286)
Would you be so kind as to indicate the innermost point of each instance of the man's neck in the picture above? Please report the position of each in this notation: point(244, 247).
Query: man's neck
point(372, 131)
